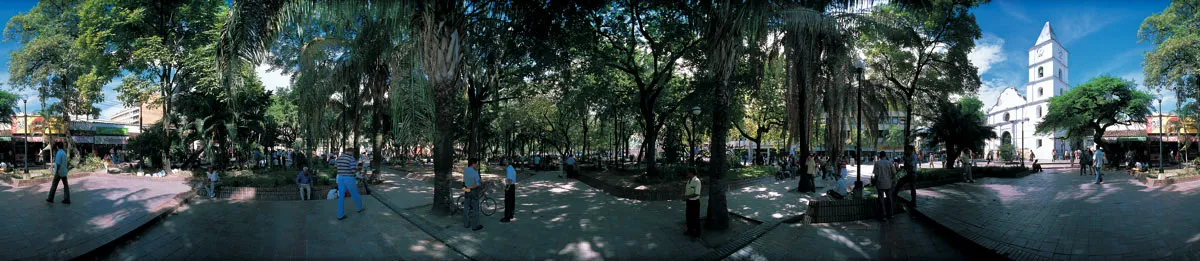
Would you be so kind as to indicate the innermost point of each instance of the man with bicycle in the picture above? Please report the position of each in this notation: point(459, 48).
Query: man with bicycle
point(472, 186)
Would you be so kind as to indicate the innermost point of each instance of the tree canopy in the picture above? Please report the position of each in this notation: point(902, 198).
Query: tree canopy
point(1090, 108)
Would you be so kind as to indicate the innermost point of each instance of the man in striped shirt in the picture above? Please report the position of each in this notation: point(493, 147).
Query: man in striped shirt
point(346, 166)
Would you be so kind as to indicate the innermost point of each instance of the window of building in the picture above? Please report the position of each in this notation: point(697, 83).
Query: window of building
point(1005, 116)
point(1039, 72)
point(1039, 143)
point(1040, 92)
point(1059, 73)
point(1039, 110)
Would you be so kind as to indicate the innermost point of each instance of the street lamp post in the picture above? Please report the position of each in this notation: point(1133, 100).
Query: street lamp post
point(25, 121)
point(858, 184)
point(695, 136)
point(1160, 135)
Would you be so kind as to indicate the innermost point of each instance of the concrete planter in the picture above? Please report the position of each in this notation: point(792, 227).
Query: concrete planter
point(41, 180)
point(1153, 182)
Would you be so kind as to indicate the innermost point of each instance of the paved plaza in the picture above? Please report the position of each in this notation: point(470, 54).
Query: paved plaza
point(257, 230)
point(103, 208)
point(1061, 215)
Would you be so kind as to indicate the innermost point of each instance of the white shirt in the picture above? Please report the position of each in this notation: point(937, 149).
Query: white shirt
point(693, 188)
point(212, 176)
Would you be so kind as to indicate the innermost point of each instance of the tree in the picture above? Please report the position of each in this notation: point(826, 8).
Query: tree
point(922, 50)
point(1092, 107)
point(958, 126)
point(59, 57)
point(1175, 59)
point(645, 40)
point(160, 43)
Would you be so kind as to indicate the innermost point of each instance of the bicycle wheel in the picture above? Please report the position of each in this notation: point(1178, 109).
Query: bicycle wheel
point(488, 206)
point(458, 204)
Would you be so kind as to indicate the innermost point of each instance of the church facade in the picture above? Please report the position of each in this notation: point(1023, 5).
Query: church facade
point(1015, 115)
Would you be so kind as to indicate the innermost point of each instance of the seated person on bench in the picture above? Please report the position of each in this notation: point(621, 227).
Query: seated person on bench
point(840, 190)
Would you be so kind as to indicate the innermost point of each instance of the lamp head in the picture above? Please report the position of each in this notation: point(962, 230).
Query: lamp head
point(696, 110)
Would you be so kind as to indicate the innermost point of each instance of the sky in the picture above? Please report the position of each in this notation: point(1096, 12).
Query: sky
point(1101, 37)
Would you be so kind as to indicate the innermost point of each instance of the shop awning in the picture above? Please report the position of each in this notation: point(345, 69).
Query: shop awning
point(1124, 138)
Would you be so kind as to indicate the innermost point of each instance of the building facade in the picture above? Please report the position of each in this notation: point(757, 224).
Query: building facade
point(148, 113)
point(1015, 115)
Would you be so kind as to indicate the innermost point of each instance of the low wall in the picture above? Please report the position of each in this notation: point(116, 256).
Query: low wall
point(669, 193)
point(42, 180)
point(271, 194)
point(1152, 182)
point(826, 211)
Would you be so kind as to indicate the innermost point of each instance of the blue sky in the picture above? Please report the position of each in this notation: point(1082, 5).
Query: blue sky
point(1101, 37)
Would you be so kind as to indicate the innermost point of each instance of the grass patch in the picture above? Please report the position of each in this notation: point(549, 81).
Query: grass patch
point(750, 172)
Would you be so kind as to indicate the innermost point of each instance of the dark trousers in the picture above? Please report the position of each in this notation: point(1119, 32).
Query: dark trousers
point(885, 203)
point(693, 217)
point(54, 187)
point(510, 201)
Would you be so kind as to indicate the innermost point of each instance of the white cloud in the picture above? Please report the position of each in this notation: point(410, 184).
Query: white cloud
point(989, 91)
point(1077, 24)
point(107, 113)
point(988, 51)
point(1015, 12)
point(272, 79)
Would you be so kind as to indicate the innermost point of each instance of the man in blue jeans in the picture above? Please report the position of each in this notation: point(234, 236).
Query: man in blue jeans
point(1098, 163)
point(472, 186)
point(346, 166)
point(60, 174)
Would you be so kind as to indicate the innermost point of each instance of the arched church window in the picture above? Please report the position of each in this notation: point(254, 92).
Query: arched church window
point(1039, 111)
point(1040, 92)
point(1059, 73)
point(1005, 116)
point(1039, 143)
point(1039, 72)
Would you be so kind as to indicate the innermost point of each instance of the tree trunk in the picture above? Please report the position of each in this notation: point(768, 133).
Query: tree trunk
point(650, 137)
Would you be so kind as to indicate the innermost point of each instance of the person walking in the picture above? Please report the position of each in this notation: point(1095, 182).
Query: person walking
point(692, 212)
point(346, 166)
point(1098, 164)
point(60, 174)
point(510, 193)
point(1085, 161)
point(570, 167)
point(967, 164)
point(472, 186)
point(1076, 158)
point(305, 181)
point(213, 181)
point(884, 174)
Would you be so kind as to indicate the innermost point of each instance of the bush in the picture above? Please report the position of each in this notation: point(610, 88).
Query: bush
point(90, 163)
point(1006, 152)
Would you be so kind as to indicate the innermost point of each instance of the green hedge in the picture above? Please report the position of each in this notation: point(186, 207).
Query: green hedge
point(268, 178)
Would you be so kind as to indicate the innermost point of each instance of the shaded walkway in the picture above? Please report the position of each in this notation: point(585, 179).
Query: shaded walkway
point(256, 230)
point(103, 208)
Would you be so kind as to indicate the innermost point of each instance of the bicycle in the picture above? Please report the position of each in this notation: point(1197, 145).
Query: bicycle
point(487, 204)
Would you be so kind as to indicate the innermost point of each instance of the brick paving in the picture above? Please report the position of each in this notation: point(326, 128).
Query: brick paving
point(1060, 215)
point(103, 209)
point(257, 230)
point(565, 219)
point(902, 238)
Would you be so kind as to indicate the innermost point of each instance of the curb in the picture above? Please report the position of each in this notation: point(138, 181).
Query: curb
point(165, 209)
point(976, 247)
point(428, 228)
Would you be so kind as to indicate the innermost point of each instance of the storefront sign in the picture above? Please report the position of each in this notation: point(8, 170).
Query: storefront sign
point(111, 131)
point(117, 140)
point(82, 139)
point(35, 124)
point(1171, 124)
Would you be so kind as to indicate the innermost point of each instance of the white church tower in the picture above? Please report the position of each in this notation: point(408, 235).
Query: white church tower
point(1048, 73)
point(1016, 115)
